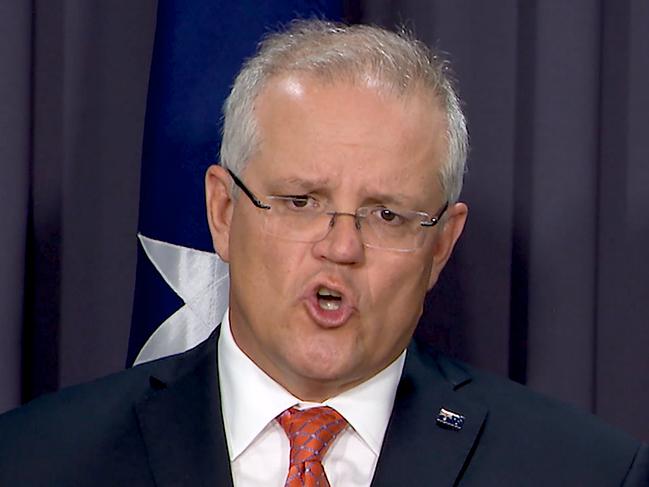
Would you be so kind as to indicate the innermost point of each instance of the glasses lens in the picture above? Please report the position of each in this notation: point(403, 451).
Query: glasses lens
point(387, 229)
point(296, 220)
point(380, 228)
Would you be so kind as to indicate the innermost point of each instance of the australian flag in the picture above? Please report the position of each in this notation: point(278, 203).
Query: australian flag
point(181, 285)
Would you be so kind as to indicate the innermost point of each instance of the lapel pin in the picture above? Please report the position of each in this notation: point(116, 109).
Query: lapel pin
point(449, 419)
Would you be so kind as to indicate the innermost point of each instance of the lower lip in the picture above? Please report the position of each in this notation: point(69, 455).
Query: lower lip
point(328, 318)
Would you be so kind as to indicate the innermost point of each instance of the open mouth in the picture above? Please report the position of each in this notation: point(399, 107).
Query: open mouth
point(328, 299)
point(329, 305)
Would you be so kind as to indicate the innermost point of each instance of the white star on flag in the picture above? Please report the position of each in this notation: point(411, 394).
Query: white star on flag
point(202, 280)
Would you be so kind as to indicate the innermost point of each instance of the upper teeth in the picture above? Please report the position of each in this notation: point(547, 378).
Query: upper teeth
point(323, 291)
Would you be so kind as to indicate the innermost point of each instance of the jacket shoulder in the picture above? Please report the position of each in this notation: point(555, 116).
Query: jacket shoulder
point(85, 424)
point(526, 431)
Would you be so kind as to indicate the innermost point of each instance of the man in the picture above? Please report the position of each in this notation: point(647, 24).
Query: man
point(336, 206)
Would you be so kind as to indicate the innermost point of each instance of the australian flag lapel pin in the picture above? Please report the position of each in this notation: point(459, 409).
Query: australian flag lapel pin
point(449, 419)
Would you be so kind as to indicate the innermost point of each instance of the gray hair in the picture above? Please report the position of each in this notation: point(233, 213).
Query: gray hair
point(333, 51)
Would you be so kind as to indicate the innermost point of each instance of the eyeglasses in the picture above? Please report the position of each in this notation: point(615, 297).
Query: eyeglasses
point(303, 218)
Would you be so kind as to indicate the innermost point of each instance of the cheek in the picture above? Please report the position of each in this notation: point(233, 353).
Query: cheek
point(248, 262)
point(399, 281)
point(269, 266)
point(283, 261)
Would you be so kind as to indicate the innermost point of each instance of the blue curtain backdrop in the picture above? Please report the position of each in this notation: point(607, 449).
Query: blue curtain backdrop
point(199, 48)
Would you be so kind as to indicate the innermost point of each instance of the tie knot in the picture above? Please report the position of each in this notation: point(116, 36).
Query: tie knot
point(310, 432)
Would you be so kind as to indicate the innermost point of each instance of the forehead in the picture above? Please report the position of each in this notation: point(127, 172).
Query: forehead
point(349, 134)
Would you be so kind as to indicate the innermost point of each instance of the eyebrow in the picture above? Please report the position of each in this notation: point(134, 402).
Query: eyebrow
point(307, 185)
point(399, 199)
point(302, 183)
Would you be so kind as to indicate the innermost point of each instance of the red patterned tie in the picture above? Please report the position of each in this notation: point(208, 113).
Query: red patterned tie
point(310, 432)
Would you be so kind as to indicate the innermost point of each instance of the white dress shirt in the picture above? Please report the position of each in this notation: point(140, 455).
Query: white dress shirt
point(257, 445)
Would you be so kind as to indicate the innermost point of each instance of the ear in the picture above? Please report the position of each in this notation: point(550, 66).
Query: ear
point(219, 209)
point(448, 233)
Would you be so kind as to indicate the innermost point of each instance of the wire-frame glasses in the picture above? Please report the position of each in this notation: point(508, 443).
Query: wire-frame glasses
point(302, 218)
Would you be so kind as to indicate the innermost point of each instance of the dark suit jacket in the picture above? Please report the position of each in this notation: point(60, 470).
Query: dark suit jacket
point(160, 424)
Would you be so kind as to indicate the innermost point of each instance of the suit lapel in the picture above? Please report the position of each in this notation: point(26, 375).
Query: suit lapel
point(416, 449)
point(181, 423)
point(182, 427)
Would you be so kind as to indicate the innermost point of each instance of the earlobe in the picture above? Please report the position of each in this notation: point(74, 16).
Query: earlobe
point(219, 209)
point(446, 239)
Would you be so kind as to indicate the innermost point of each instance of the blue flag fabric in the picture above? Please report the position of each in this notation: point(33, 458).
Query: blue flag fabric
point(199, 48)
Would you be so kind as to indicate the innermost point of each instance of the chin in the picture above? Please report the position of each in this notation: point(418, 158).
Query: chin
point(324, 367)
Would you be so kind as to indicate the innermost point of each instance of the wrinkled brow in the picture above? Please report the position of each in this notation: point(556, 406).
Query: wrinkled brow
point(403, 200)
point(303, 184)
point(370, 196)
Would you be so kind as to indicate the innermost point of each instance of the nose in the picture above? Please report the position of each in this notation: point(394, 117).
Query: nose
point(343, 244)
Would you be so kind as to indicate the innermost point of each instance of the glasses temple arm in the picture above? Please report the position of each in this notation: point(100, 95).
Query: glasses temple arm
point(435, 219)
point(255, 201)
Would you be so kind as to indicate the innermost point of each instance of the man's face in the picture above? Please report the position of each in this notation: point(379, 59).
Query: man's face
point(348, 146)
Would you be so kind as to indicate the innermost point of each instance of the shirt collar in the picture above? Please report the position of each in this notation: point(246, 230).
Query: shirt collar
point(366, 407)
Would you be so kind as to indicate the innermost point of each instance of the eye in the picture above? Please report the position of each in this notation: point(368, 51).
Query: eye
point(386, 216)
point(300, 202)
